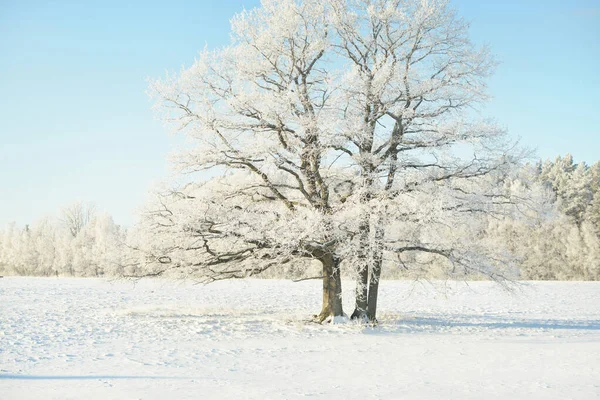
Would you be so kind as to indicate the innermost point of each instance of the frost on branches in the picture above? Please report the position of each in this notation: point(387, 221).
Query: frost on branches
point(338, 131)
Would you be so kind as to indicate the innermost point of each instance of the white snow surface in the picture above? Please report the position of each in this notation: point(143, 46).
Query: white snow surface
point(95, 339)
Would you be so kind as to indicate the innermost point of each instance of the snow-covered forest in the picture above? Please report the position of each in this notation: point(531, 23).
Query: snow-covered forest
point(563, 243)
point(78, 242)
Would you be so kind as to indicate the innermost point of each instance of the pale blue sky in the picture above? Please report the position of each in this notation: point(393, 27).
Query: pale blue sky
point(75, 122)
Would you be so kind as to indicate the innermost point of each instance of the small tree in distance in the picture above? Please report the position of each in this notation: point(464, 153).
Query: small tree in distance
point(76, 216)
point(342, 131)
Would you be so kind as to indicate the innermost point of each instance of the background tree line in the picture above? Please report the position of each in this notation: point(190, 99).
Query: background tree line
point(78, 242)
point(563, 242)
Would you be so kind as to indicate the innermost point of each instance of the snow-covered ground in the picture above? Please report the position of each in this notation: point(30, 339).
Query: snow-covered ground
point(92, 339)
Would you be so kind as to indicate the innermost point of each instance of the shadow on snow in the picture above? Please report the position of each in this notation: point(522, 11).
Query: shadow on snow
point(87, 377)
point(487, 322)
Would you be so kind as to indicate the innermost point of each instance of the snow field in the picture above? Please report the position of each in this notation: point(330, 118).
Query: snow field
point(95, 339)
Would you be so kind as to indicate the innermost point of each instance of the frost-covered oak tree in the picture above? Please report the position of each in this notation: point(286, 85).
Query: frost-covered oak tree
point(340, 131)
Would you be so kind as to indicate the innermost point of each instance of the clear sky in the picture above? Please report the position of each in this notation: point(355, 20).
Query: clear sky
point(76, 124)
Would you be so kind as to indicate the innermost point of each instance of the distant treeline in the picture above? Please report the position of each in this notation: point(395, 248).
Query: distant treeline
point(564, 243)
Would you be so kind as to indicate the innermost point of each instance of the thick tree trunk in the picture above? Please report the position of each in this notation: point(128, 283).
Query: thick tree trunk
point(332, 288)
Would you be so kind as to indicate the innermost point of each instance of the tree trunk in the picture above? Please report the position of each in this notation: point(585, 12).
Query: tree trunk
point(362, 279)
point(374, 288)
point(375, 275)
point(332, 288)
point(362, 285)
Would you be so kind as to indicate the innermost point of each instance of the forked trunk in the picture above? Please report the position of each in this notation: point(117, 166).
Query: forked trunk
point(332, 288)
